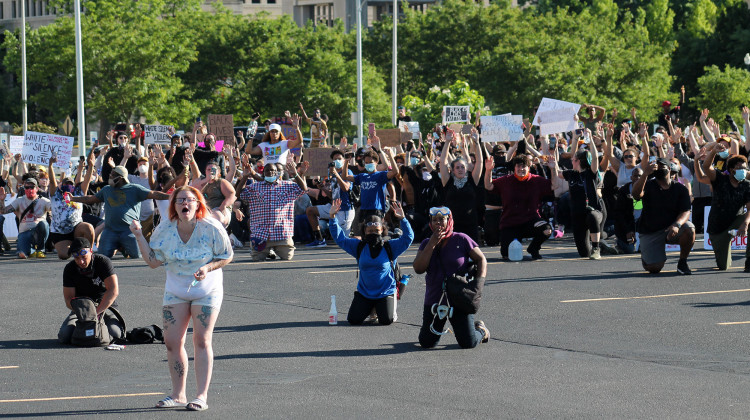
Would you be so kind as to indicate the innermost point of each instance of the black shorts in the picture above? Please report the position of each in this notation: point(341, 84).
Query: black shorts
point(59, 237)
point(91, 219)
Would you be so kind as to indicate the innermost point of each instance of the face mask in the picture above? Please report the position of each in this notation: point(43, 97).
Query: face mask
point(113, 182)
point(724, 154)
point(370, 167)
point(30, 194)
point(67, 188)
point(661, 173)
point(143, 168)
point(271, 179)
point(373, 238)
point(338, 163)
point(426, 176)
point(740, 174)
point(414, 161)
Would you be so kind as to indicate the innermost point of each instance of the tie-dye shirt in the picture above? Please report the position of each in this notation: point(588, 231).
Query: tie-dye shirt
point(208, 241)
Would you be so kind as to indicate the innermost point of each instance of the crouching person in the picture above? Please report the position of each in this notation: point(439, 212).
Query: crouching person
point(90, 276)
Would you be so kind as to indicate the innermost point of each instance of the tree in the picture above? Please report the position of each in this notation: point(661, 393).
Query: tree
point(428, 111)
point(724, 92)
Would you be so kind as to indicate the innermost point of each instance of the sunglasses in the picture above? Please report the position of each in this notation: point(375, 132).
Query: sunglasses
point(628, 156)
point(29, 187)
point(80, 253)
point(442, 211)
point(183, 200)
point(373, 224)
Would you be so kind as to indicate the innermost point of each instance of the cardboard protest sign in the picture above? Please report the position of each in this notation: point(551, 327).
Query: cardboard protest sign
point(222, 126)
point(507, 128)
point(554, 116)
point(15, 144)
point(156, 134)
point(466, 128)
point(319, 158)
point(290, 133)
point(455, 127)
point(410, 127)
point(454, 114)
point(390, 137)
point(406, 137)
point(39, 147)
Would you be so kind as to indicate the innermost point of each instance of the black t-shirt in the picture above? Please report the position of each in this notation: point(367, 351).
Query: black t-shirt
point(583, 187)
point(405, 118)
point(117, 153)
point(661, 207)
point(727, 202)
point(89, 281)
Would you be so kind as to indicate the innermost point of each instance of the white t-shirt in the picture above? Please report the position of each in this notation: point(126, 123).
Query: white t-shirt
point(34, 216)
point(276, 152)
point(147, 206)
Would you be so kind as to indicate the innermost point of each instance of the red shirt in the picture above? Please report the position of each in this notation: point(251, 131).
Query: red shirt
point(521, 199)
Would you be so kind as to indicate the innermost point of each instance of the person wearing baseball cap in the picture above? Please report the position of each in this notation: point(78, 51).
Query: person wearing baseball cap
point(31, 209)
point(122, 205)
point(275, 147)
point(93, 276)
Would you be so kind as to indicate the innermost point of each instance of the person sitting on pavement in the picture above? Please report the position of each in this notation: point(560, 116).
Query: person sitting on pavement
point(67, 221)
point(665, 216)
point(376, 287)
point(93, 276)
point(339, 189)
point(441, 255)
point(522, 195)
point(730, 206)
point(31, 210)
point(271, 204)
point(122, 204)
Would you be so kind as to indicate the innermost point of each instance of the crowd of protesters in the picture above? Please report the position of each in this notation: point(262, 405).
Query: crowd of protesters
point(618, 188)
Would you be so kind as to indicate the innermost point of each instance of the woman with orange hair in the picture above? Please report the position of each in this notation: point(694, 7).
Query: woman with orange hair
point(193, 248)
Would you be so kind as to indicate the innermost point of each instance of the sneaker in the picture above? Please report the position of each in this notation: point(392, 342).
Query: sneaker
point(535, 256)
point(479, 325)
point(21, 256)
point(40, 254)
point(608, 250)
point(682, 268)
point(317, 244)
point(33, 254)
point(595, 254)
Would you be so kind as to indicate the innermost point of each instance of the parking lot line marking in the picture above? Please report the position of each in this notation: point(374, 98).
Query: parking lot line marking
point(332, 271)
point(655, 296)
point(298, 261)
point(8, 367)
point(84, 397)
point(733, 323)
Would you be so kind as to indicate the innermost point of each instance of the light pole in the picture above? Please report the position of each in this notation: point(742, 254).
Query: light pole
point(24, 98)
point(394, 95)
point(79, 82)
point(359, 70)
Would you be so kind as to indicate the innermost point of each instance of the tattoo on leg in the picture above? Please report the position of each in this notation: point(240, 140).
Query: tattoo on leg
point(179, 369)
point(168, 317)
point(205, 314)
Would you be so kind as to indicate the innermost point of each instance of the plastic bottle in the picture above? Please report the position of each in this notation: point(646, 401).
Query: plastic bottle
point(515, 251)
point(401, 285)
point(333, 315)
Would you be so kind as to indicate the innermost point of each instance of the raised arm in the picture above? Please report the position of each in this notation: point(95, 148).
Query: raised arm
point(489, 163)
point(52, 177)
point(476, 173)
point(148, 254)
point(708, 163)
point(708, 135)
point(444, 174)
point(291, 169)
point(89, 174)
point(295, 124)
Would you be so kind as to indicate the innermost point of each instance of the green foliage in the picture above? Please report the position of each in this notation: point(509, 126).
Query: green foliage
point(428, 111)
point(39, 127)
point(724, 92)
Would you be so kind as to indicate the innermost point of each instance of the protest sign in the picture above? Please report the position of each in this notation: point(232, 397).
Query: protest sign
point(156, 134)
point(15, 144)
point(290, 133)
point(219, 143)
point(455, 127)
point(319, 158)
point(222, 126)
point(389, 137)
point(506, 128)
point(554, 116)
point(4, 138)
point(738, 242)
point(39, 147)
point(406, 137)
point(454, 114)
point(466, 129)
point(410, 127)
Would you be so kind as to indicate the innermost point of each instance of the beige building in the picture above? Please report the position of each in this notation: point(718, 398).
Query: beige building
point(38, 13)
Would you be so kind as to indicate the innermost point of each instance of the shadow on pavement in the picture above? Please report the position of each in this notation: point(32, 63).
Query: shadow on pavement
point(270, 326)
point(386, 349)
point(718, 305)
point(50, 343)
point(82, 412)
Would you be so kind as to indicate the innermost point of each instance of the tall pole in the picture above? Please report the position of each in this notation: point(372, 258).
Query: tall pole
point(79, 82)
point(359, 72)
point(394, 95)
point(24, 98)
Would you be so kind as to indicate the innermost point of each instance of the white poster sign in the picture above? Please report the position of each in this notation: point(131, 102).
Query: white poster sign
point(412, 127)
point(738, 242)
point(16, 145)
point(39, 147)
point(454, 114)
point(156, 134)
point(506, 128)
point(555, 116)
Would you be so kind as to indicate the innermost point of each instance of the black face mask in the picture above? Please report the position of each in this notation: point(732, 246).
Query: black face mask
point(661, 173)
point(499, 160)
point(375, 242)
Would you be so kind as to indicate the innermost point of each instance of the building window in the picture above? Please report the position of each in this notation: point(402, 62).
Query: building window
point(256, 1)
point(271, 1)
point(324, 14)
point(13, 12)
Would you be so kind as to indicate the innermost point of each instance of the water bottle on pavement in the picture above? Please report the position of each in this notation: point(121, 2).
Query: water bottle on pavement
point(515, 251)
point(333, 315)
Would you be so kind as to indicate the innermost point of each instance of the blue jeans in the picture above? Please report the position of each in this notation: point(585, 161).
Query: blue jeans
point(112, 240)
point(466, 334)
point(34, 237)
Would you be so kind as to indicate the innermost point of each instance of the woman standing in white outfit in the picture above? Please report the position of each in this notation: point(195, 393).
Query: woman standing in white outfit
point(193, 247)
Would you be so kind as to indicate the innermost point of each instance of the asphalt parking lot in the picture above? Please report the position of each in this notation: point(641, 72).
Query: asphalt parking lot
point(571, 338)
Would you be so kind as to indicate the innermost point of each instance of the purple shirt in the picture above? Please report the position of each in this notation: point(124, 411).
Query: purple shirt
point(453, 256)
